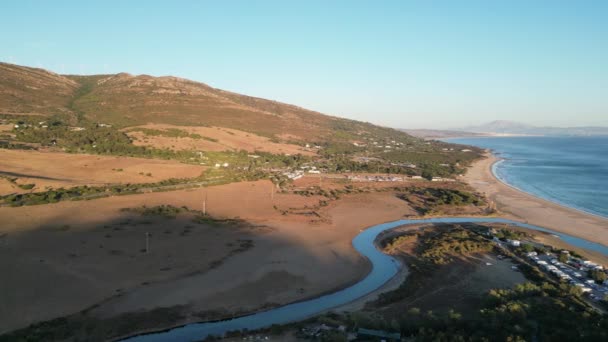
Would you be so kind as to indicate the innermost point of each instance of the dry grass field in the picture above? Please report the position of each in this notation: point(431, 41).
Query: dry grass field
point(213, 139)
point(45, 170)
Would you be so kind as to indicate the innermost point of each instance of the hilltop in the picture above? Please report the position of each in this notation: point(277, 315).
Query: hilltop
point(125, 100)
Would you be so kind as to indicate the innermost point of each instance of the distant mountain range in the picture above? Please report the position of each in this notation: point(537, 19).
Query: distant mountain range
point(507, 128)
point(439, 133)
point(503, 127)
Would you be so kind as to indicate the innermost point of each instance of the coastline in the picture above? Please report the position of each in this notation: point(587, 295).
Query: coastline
point(516, 204)
point(499, 160)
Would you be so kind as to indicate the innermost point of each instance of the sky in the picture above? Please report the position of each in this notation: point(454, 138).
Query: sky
point(405, 64)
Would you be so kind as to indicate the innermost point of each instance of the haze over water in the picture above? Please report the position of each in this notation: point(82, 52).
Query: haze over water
point(572, 171)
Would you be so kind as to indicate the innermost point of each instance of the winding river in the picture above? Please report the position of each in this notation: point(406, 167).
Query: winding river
point(384, 268)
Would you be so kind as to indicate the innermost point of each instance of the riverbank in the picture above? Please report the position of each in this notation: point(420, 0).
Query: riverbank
point(391, 285)
point(518, 205)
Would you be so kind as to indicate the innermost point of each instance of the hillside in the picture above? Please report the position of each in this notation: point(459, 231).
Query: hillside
point(35, 91)
point(178, 119)
point(125, 100)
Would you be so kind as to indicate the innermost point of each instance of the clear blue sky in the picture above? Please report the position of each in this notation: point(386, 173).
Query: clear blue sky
point(397, 63)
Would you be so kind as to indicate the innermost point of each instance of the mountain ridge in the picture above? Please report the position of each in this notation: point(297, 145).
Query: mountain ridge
point(126, 100)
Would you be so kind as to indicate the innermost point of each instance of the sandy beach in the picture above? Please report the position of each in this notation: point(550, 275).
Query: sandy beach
point(518, 205)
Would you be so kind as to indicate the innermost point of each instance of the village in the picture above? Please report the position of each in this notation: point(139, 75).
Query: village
point(590, 277)
point(307, 170)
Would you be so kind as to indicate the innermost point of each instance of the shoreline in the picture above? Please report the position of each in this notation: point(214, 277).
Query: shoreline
point(517, 204)
point(564, 205)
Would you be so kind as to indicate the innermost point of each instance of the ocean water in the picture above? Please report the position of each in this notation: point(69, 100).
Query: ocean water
point(572, 171)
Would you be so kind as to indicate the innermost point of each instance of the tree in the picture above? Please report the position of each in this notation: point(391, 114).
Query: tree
point(563, 257)
point(427, 175)
point(527, 247)
point(598, 275)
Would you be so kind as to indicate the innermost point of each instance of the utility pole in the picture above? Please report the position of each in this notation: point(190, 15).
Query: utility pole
point(272, 192)
point(205, 204)
point(147, 242)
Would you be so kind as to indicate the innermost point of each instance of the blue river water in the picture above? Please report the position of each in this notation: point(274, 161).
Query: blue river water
point(572, 171)
point(384, 268)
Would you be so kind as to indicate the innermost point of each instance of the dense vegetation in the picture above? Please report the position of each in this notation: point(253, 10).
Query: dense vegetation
point(165, 210)
point(529, 312)
point(15, 146)
point(171, 133)
point(440, 247)
point(428, 200)
point(407, 155)
point(171, 212)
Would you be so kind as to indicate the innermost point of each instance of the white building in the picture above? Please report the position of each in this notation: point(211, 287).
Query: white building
point(514, 243)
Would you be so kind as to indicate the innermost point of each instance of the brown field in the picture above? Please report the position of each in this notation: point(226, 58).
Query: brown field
point(46, 169)
point(98, 256)
point(227, 140)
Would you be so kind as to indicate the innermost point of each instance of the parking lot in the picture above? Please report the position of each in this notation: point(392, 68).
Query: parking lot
point(576, 276)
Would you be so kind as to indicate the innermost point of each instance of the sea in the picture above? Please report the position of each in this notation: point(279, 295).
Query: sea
point(571, 171)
